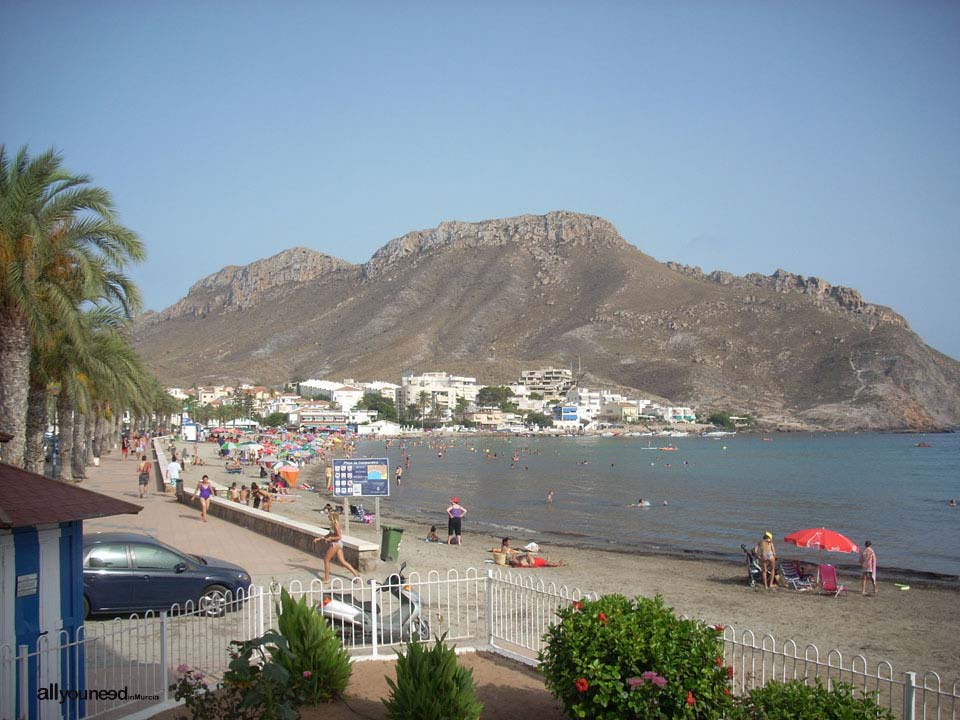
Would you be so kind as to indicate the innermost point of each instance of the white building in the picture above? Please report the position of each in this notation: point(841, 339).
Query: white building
point(380, 427)
point(385, 389)
point(590, 402)
point(347, 397)
point(442, 388)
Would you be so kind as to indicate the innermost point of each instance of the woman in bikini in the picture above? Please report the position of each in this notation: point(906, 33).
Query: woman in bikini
point(334, 539)
point(204, 490)
point(767, 555)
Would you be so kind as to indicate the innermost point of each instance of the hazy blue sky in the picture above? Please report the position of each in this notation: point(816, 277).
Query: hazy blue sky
point(821, 137)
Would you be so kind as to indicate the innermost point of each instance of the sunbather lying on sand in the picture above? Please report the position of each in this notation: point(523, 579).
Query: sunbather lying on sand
point(532, 560)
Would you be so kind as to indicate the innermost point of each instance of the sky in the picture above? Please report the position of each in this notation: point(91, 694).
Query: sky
point(818, 137)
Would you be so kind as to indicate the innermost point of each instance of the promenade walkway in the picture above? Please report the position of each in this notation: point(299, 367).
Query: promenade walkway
point(180, 526)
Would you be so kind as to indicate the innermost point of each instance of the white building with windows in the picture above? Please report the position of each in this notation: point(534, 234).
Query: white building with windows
point(442, 388)
point(347, 397)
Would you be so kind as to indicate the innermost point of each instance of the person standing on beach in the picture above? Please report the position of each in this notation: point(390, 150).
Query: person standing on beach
point(328, 474)
point(767, 555)
point(868, 565)
point(399, 476)
point(455, 514)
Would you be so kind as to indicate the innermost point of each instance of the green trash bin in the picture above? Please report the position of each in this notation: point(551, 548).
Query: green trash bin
point(390, 543)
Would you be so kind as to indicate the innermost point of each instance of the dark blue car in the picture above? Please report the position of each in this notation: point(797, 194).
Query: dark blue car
point(127, 572)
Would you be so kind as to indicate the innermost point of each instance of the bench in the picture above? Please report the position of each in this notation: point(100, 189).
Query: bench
point(362, 554)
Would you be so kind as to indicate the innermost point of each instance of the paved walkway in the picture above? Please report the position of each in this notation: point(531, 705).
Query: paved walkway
point(180, 526)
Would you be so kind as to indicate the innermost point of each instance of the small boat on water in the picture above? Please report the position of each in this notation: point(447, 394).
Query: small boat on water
point(669, 448)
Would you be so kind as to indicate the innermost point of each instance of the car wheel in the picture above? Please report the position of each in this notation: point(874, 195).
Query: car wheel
point(86, 607)
point(213, 602)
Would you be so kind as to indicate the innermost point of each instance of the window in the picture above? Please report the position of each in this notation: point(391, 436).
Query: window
point(107, 556)
point(154, 557)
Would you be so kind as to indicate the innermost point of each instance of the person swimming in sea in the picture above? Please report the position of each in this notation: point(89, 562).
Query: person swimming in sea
point(640, 503)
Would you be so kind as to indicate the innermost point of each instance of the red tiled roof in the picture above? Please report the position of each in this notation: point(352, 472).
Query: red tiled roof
point(30, 499)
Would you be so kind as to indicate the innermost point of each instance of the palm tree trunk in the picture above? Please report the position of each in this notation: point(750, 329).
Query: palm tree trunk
point(96, 437)
point(14, 383)
point(65, 421)
point(37, 422)
point(77, 471)
point(89, 451)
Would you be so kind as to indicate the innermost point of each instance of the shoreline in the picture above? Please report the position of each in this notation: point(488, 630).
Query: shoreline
point(914, 630)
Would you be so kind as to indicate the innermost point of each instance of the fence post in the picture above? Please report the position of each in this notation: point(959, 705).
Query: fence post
point(373, 615)
point(489, 589)
point(909, 696)
point(260, 593)
point(164, 659)
point(23, 660)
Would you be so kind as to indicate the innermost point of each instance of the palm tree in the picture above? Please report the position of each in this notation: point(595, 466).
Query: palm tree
point(58, 234)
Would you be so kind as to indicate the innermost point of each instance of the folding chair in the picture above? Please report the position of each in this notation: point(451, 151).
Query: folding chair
point(828, 581)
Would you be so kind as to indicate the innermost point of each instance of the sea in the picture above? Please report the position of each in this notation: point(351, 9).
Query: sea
point(706, 497)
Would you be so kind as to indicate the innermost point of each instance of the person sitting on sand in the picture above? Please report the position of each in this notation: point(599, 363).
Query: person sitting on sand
point(197, 460)
point(505, 548)
point(432, 535)
point(234, 464)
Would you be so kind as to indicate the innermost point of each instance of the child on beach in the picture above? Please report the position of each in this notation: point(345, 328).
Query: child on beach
point(432, 535)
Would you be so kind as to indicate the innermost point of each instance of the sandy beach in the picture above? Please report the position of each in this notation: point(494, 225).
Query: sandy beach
point(914, 630)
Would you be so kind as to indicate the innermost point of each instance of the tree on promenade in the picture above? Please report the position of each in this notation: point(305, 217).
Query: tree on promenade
point(61, 249)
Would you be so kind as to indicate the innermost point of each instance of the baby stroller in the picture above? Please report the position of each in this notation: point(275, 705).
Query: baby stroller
point(358, 513)
point(753, 566)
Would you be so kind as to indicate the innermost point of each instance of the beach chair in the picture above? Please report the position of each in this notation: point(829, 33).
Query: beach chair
point(792, 578)
point(828, 581)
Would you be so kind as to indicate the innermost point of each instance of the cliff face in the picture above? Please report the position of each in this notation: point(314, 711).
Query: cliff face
point(238, 287)
point(492, 298)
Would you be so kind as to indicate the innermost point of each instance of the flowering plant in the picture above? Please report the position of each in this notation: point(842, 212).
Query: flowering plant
point(616, 658)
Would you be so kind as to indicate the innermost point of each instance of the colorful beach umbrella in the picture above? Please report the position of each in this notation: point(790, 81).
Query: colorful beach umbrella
point(822, 539)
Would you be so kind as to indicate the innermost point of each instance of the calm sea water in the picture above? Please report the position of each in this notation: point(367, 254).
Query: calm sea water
point(721, 492)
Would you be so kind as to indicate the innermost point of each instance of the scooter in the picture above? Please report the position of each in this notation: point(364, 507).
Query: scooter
point(399, 616)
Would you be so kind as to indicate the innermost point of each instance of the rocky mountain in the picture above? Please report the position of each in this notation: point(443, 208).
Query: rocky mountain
point(491, 298)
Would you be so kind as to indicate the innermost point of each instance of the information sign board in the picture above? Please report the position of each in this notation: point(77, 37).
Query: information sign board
point(361, 477)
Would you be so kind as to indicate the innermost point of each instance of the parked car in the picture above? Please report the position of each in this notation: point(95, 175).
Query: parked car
point(128, 572)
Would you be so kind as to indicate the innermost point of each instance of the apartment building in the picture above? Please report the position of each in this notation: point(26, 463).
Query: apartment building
point(443, 389)
point(549, 382)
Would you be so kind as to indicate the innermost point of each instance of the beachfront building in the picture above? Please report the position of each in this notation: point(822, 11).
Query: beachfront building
point(383, 428)
point(283, 403)
point(565, 417)
point(355, 416)
point(443, 389)
point(626, 412)
point(207, 395)
point(319, 415)
point(492, 418)
point(679, 414)
point(549, 382)
point(590, 403)
point(384, 389)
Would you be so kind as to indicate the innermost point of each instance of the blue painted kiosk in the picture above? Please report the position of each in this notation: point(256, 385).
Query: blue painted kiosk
point(41, 588)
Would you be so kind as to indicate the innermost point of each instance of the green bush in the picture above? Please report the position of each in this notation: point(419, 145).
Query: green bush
point(796, 701)
point(431, 685)
point(318, 665)
point(616, 658)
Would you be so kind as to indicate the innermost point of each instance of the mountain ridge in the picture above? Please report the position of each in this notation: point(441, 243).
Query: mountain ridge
point(493, 297)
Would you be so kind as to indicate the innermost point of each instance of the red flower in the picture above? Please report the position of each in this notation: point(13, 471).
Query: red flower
point(730, 671)
point(578, 605)
point(719, 628)
point(581, 684)
point(719, 661)
point(602, 618)
point(726, 691)
point(690, 700)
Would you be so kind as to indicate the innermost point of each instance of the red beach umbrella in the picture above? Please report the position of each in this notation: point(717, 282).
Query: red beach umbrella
point(822, 539)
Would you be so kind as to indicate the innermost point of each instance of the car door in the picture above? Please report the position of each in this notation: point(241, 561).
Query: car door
point(108, 579)
point(166, 577)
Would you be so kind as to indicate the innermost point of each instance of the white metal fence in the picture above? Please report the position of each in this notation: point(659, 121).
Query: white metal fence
point(501, 610)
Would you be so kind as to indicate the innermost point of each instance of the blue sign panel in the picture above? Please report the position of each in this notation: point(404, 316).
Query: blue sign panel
point(361, 477)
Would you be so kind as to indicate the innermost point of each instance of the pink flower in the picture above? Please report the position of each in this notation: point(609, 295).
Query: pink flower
point(634, 682)
point(659, 681)
point(649, 675)
point(308, 673)
point(183, 668)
